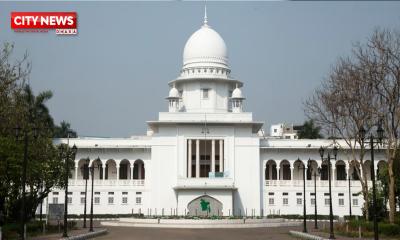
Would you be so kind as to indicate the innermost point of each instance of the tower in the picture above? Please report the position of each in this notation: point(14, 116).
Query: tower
point(173, 100)
point(237, 100)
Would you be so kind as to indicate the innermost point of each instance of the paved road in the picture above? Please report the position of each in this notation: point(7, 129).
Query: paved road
point(122, 233)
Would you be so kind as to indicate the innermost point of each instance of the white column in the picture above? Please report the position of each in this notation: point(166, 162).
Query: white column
point(213, 156)
point(76, 172)
point(197, 158)
point(292, 173)
point(104, 171)
point(278, 172)
point(189, 161)
point(118, 172)
point(132, 170)
point(221, 155)
point(265, 176)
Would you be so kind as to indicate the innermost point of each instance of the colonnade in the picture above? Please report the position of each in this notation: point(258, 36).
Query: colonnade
point(213, 154)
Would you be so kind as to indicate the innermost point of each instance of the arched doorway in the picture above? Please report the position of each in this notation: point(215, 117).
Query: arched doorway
point(205, 206)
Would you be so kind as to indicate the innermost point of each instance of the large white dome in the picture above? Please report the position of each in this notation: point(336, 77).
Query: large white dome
point(205, 48)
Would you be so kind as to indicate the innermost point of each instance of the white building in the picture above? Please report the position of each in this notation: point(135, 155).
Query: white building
point(283, 130)
point(207, 146)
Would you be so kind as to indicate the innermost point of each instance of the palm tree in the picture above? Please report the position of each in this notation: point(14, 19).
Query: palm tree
point(63, 130)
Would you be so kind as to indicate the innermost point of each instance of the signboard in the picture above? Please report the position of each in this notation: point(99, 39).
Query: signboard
point(56, 211)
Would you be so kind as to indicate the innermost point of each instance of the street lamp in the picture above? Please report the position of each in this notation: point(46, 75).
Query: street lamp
point(24, 166)
point(85, 174)
point(372, 141)
point(91, 200)
point(334, 151)
point(67, 153)
point(350, 196)
point(304, 196)
point(315, 195)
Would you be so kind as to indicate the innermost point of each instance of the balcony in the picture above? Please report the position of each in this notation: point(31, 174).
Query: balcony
point(205, 183)
point(108, 182)
point(310, 183)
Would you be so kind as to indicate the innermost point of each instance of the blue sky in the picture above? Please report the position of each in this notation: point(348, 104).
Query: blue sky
point(112, 77)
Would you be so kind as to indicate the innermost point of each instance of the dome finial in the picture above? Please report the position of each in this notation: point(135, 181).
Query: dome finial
point(205, 13)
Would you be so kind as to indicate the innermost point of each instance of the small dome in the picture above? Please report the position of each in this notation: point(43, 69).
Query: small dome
point(205, 47)
point(237, 93)
point(173, 93)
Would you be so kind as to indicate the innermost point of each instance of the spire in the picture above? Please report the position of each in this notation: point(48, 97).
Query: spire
point(205, 13)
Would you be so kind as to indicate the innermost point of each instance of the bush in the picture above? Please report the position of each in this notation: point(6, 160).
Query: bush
point(383, 228)
point(296, 216)
point(389, 229)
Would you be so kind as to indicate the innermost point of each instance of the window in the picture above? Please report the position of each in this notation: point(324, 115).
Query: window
point(285, 194)
point(69, 193)
point(96, 193)
point(299, 194)
point(355, 202)
point(138, 200)
point(312, 194)
point(271, 194)
point(275, 130)
point(82, 193)
point(271, 201)
point(326, 201)
point(110, 200)
point(55, 193)
point(340, 194)
point(205, 93)
point(70, 200)
point(287, 137)
point(285, 201)
point(138, 193)
point(326, 194)
point(97, 200)
point(55, 200)
point(312, 201)
point(299, 201)
point(82, 200)
point(124, 200)
point(341, 202)
point(110, 193)
point(124, 193)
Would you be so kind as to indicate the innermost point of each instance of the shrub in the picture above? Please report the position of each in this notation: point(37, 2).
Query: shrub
point(389, 229)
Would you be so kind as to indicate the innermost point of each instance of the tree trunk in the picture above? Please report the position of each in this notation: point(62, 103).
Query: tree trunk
point(366, 199)
point(392, 195)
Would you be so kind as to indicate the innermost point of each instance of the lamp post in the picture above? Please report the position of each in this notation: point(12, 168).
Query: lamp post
point(24, 166)
point(304, 196)
point(321, 153)
point(350, 196)
point(91, 200)
point(67, 153)
point(85, 174)
point(315, 197)
point(372, 141)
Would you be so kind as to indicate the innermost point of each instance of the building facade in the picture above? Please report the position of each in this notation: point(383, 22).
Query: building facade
point(206, 155)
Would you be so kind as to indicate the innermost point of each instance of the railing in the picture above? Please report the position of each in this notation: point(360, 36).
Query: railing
point(108, 182)
point(221, 182)
point(310, 183)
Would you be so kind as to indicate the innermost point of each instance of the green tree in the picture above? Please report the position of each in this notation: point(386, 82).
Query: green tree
point(21, 109)
point(63, 130)
point(309, 130)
